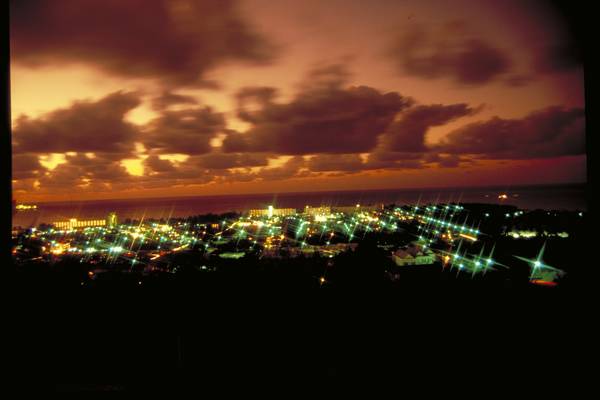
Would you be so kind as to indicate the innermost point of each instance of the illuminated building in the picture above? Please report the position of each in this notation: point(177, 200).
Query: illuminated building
point(317, 211)
point(25, 207)
point(59, 248)
point(413, 256)
point(111, 220)
point(234, 255)
point(74, 223)
point(545, 275)
point(271, 212)
point(357, 208)
point(530, 233)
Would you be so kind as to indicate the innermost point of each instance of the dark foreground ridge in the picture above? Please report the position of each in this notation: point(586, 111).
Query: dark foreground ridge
point(174, 336)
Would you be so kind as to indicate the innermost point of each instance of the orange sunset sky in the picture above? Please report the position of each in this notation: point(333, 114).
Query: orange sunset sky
point(137, 98)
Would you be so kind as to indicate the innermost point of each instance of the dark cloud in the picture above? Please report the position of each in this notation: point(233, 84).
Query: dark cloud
point(335, 162)
point(262, 94)
point(86, 126)
point(449, 53)
point(175, 41)
point(186, 131)
point(327, 76)
point(409, 164)
point(354, 163)
point(394, 160)
point(97, 167)
point(324, 120)
point(550, 132)
point(292, 168)
point(235, 142)
point(445, 160)
point(180, 173)
point(155, 164)
point(81, 172)
point(183, 174)
point(25, 166)
point(249, 98)
point(218, 160)
point(199, 170)
point(408, 133)
point(167, 99)
point(64, 177)
point(102, 174)
point(450, 161)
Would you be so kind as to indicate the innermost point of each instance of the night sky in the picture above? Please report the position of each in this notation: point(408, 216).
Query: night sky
point(139, 98)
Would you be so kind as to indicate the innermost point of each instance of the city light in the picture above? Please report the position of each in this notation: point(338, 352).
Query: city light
point(148, 245)
point(471, 238)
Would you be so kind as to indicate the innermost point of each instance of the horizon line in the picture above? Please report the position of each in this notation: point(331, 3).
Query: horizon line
point(318, 191)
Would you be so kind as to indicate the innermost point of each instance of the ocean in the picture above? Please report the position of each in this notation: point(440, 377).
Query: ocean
point(555, 197)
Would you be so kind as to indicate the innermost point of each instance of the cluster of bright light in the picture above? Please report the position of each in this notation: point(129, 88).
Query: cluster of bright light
point(267, 232)
point(25, 207)
point(539, 268)
point(450, 225)
point(522, 234)
point(73, 223)
point(476, 264)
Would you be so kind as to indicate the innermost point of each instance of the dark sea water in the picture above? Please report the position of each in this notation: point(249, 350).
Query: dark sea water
point(557, 197)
